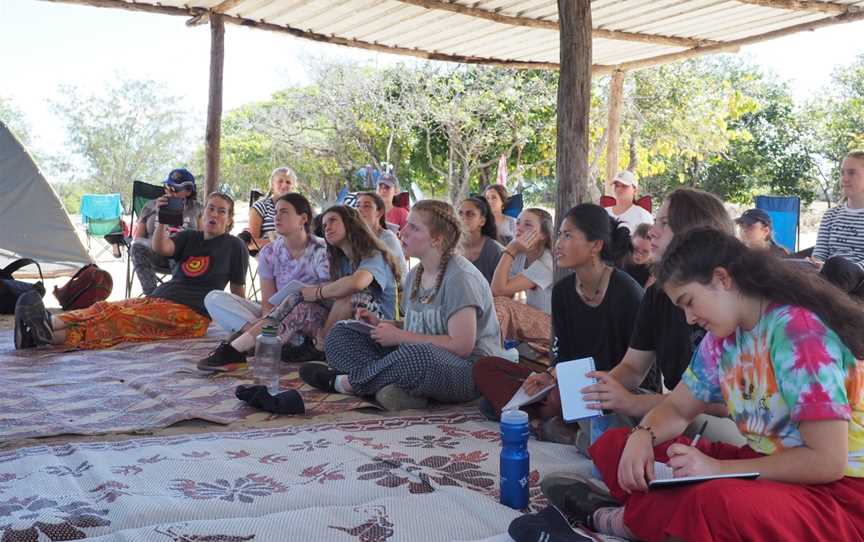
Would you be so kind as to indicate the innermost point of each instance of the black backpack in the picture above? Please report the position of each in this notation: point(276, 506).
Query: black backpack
point(11, 289)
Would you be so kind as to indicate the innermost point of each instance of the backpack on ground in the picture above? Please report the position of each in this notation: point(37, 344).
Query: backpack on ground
point(89, 285)
point(11, 289)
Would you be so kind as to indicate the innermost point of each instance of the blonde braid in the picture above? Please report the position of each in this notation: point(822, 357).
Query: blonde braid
point(442, 220)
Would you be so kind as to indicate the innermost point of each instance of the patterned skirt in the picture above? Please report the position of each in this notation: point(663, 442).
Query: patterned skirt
point(105, 324)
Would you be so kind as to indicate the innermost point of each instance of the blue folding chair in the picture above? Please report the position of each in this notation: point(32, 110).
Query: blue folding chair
point(785, 213)
point(101, 215)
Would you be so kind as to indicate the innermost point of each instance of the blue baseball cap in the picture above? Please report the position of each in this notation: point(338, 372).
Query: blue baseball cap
point(180, 179)
point(752, 216)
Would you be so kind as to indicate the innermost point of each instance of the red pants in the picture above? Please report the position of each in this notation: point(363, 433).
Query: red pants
point(498, 379)
point(734, 510)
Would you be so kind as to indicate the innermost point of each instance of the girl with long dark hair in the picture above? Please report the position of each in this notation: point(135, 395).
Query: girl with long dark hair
point(783, 354)
point(593, 311)
point(295, 255)
point(479, 233)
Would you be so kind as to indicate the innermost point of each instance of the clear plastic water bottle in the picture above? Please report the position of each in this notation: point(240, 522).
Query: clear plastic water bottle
point(268, 358)
point(514, 459)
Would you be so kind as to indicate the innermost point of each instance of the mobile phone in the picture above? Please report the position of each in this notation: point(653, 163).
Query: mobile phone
point(172, 213)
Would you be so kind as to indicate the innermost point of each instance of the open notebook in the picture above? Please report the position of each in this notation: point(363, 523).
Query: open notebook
point(664, 477)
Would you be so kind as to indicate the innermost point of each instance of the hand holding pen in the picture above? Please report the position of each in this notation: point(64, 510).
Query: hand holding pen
point(687, 460)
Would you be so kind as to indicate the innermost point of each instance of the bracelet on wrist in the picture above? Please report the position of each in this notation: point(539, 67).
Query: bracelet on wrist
point(507, 252)
point(319, 294)
point(647, 428)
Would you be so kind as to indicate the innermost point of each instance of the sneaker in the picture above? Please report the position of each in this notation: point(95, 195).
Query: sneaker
point(392, 397)
point(303, 353)
point(32, 321)
point(219, 359)
point(576, 498)
point(319, 376)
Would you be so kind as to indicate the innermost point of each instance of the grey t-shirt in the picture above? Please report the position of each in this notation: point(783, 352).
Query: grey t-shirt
point(488, 259)
point(462, 286)
point(383, 288)
point(541, 274)
point(395, 247)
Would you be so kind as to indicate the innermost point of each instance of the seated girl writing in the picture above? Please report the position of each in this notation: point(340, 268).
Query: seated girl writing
point(449, 322)
point(783, 354)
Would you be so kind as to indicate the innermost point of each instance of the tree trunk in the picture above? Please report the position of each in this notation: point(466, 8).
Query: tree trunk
point(574, 102)
point(212, 139)
point(613, 129)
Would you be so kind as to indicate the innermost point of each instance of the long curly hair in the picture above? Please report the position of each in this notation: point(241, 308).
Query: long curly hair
point(441, 220)
point(363, 243)
point(693, 257)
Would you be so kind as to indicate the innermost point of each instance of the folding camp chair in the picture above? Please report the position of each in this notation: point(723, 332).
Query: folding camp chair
point(142, 194)
point(785, 213)
point(644, 202)
point(101, 215)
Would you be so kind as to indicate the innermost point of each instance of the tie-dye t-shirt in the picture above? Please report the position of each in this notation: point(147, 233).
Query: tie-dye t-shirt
point(790, 368)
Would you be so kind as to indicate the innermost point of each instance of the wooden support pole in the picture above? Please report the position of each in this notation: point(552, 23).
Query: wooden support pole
point(212, 139)
point(613, 127)
point(574, 102)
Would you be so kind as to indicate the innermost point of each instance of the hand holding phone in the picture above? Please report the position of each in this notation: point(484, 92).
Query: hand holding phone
point(171, 213)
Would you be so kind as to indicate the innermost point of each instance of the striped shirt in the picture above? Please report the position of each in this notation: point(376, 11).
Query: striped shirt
point(267, 209)
point(841, 233)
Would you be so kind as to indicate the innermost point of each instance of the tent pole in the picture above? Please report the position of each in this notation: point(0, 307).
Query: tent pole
point(214, 105)
point(613, 130)
point(574, 102)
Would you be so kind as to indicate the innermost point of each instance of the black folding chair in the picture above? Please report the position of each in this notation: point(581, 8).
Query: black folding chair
point(142, 194)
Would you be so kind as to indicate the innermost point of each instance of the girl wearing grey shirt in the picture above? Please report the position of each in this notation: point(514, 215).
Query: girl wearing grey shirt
point(449, 322)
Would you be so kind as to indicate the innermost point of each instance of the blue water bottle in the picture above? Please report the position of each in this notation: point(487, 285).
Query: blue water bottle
point(514, 459)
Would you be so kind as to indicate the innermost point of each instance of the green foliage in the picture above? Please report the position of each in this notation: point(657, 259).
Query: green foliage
point(134, 130)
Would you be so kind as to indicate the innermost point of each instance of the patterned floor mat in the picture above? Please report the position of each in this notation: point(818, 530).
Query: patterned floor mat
point(129, 388)
point(412, 478)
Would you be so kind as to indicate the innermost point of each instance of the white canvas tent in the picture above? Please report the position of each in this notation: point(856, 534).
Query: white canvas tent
point(33, 223)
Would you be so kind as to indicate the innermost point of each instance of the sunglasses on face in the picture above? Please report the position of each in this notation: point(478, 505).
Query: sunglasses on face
point(185, 187)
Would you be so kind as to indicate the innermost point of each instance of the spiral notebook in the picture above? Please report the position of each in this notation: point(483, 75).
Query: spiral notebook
point(665, 477)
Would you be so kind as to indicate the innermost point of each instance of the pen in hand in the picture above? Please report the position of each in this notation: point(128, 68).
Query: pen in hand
point(699, 434)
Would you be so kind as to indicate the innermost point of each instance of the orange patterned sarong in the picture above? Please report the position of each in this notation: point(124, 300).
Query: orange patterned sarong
point(524, 323)
point(105, 324)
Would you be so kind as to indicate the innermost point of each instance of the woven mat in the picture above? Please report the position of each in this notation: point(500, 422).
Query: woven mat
point(130, 388)
point(423, 478)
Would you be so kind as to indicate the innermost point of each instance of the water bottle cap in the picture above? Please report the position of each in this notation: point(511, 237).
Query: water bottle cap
point(514, 417)
point(269, 330)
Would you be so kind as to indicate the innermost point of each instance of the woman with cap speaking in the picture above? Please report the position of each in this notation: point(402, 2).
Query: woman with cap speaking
point(756, 230)
point(178, 184)
point(625, 209)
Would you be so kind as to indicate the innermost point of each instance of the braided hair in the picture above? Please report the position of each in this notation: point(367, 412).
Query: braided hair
point(441, 219)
